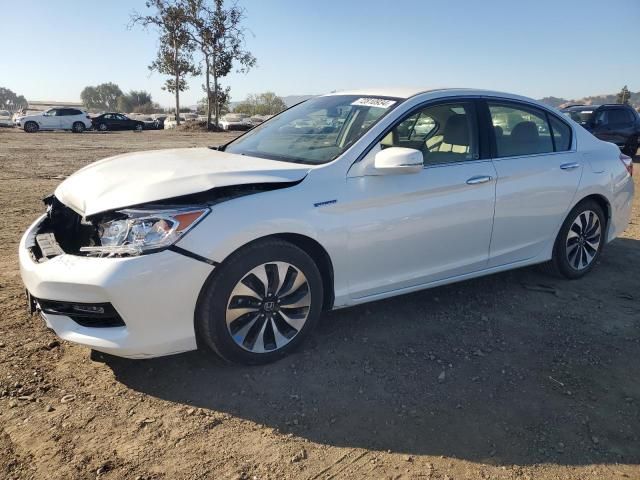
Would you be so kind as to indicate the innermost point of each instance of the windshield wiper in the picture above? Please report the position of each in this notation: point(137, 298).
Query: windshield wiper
point(219, 148)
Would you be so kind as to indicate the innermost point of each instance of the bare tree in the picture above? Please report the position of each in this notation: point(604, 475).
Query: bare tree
point(218, 33)
point(175, 51)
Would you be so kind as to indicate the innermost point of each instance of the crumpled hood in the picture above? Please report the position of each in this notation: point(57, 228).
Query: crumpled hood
point(142, 177)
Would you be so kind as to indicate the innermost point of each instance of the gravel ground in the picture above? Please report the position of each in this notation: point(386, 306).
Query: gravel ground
point(512, 376)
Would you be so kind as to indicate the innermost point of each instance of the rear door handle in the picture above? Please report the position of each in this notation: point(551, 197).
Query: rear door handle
point(570, 166)
point(479, 179)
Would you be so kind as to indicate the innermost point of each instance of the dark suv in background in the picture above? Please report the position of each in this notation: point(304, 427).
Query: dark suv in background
point(615, 123)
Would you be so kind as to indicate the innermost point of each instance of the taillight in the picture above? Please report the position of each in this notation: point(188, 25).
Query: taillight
point(627, 162)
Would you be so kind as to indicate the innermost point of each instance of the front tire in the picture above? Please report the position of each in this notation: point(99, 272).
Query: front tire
point(31, 127)
point(580, 241)
point(261, 303)
point(78, 127)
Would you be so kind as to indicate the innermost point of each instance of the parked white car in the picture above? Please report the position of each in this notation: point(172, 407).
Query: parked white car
point(240, 248)
point(72, 119)
point(234, 121)
point(5, 118)
point(170, 122)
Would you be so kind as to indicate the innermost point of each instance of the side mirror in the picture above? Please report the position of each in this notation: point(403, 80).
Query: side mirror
point(398, 160)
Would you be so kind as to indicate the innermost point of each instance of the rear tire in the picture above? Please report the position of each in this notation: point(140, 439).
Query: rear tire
point(31, 127)
point(260, 304)
point(102, 127)
point(78, 127)
point(580, 241)
point(138, 128)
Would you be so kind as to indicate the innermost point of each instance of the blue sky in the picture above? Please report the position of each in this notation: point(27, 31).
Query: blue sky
point(566, 48)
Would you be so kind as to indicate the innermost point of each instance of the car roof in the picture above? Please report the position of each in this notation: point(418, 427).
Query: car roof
point(408, 92)
point(594, 107)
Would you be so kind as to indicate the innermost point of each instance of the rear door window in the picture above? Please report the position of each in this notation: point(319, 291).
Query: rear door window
point(520, 129)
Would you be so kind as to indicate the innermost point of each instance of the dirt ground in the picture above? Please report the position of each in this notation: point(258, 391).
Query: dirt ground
point(541, 375)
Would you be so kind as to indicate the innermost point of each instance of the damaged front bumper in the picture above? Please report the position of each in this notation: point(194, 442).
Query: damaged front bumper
point(154, 295)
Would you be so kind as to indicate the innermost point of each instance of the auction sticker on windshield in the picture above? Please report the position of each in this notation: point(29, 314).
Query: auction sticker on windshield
point(373, 102)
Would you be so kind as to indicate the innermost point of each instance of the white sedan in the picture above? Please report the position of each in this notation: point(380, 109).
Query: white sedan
point(234, 121)
point(240, 248)
point(5, 119)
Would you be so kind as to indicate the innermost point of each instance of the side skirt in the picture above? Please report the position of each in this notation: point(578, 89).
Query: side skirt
point(444, 281)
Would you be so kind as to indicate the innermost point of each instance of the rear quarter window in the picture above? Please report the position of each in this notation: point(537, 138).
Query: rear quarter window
point(561, 134)
point(619, 116)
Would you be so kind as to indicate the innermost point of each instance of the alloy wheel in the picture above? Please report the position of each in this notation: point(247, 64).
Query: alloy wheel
point(268, 307)
point(583, 240)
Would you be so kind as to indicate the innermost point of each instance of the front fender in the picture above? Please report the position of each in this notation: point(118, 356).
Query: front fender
point(294, 210)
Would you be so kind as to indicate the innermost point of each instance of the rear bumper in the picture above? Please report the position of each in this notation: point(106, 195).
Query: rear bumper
point(622, 205)
point(155, 295)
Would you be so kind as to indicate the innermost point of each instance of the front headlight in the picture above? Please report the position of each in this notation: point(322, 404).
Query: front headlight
point(144, 230)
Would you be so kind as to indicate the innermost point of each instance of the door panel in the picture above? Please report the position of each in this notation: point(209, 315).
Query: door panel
point(408, 230)
point(49, 122)
point(533, 195)
point(538, 175)
point(66, 120)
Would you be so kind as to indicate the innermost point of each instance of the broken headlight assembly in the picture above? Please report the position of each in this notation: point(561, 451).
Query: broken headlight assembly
point(134, 232)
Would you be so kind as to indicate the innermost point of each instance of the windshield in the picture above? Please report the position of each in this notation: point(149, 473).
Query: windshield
point(316, 131)
point(580, 116)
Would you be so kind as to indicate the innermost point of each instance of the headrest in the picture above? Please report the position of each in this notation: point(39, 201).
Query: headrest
point(525, 132)
point(499, 131)
point(456, 130)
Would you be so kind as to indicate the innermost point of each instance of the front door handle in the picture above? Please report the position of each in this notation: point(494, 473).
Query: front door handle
point(570, 166)
point(479, 179)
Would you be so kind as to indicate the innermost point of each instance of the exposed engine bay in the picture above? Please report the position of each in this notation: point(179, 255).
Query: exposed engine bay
point(64, 231)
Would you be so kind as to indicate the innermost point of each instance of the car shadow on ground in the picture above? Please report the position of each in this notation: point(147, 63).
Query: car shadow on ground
point(515, 368)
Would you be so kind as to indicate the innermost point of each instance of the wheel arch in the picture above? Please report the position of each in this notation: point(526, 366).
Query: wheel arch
point(322, 259)
point(603, 202)
point(311, 247)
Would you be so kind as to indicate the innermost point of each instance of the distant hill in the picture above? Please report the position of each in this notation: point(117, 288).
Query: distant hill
point(634, 100)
